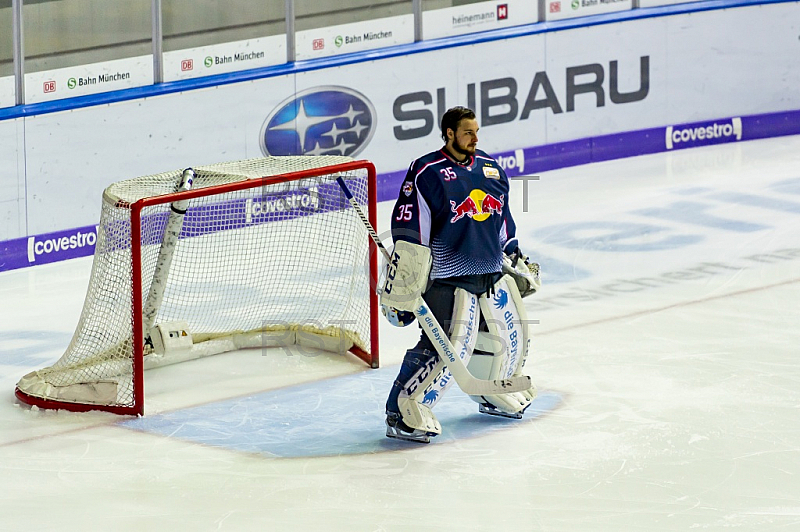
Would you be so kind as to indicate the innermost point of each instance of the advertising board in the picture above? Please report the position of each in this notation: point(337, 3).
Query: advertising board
point(225, 57)
point(94, 78)
point(7, 91)
point(480, 16)
point(563, 9)
point(564, 97)
point(656, 3)
point(354, 37)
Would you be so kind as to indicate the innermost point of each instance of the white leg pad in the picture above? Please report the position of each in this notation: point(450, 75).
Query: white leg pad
point(463, 335)
point(508, 339)
point(429, 384)
point(509, 403)
point(418, 416)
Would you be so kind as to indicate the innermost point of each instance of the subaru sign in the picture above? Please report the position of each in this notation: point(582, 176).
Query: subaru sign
point(319, 121)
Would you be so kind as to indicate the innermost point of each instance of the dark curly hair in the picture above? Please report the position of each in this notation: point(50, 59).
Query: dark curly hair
point(453, 116)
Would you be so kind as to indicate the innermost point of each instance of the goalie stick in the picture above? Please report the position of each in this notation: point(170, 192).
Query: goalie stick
point(468, 383)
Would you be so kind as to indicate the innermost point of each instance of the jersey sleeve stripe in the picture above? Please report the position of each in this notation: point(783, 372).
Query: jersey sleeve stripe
point(424, 217)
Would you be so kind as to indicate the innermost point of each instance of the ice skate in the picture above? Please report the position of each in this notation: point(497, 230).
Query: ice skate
point(395, 428)
point(486, 408)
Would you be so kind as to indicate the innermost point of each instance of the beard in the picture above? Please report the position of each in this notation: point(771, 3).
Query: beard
point(462, 149)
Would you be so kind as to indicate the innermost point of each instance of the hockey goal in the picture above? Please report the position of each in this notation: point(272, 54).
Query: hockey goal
point(250, 254)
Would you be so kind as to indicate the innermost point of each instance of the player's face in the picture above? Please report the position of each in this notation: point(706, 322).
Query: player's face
point(465, 139)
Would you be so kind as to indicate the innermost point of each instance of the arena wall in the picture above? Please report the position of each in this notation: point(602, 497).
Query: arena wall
point(548, 95)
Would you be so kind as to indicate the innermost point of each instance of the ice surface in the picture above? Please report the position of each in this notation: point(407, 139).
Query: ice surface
point(666, 357)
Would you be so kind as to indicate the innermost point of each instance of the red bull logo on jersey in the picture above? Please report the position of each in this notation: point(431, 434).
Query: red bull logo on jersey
point(478, 205)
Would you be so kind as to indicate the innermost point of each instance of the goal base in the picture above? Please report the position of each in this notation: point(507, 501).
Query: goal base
point(103, 395)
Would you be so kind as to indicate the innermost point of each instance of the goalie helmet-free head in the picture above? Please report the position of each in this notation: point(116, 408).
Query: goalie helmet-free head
point(452, 117)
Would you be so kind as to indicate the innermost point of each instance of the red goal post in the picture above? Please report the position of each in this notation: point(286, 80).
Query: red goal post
point(257, 253)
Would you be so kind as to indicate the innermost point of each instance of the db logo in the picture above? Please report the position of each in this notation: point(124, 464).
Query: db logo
point(49, 86)
point(187, 64)
point(555, 7)
point(502, 11)
point(318, 44)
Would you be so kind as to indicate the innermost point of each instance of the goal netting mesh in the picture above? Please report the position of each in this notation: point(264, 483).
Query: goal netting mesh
point(268, 253)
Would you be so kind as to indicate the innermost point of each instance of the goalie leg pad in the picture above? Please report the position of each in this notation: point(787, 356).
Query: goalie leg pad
point(511, 405)
point(407, 417)
point(464, 324)
point(424, 379)
point(416, 366)
point(508, 336)
point(418, 417)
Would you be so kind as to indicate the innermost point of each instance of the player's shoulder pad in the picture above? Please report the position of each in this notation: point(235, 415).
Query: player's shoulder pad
point(483, 154)
point(427, 161)
point(484, 159)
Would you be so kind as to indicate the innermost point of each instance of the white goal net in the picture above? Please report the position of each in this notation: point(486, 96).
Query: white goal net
point(257, 253)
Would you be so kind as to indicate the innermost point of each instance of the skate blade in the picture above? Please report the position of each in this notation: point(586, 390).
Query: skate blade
point(417, 436)
point(483, 409)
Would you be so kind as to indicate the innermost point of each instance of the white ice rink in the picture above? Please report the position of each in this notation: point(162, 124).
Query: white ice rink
point(666, 358)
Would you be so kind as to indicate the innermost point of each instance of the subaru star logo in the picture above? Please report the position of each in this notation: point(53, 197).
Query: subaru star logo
point(319, 121)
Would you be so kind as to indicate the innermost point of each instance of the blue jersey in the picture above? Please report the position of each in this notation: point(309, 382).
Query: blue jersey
point(458, 210)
